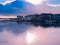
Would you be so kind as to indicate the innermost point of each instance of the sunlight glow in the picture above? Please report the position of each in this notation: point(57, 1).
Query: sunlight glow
point(35, 1)
point(30, 37)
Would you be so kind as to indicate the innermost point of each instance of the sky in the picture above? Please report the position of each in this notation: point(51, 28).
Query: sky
point(17, 7)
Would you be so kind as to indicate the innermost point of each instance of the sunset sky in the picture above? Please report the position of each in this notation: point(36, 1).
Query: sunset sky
point(18, 32)
point(16, 7)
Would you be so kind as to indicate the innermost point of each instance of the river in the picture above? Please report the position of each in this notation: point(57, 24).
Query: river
point(13, 33)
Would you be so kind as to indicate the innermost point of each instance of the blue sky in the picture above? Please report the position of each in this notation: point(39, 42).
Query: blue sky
point(54, 1)
point(13, 7)
point(20, 6)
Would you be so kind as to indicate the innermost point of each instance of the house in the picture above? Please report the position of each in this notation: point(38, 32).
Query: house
point(19, 18)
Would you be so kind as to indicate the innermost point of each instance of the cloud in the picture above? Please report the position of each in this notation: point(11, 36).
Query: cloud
point(44, 8)
point(53, 3)
point(18, 7)
point(14, 7)
point(6, 2)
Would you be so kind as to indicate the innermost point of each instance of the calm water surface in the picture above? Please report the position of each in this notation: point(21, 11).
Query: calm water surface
point(12, 33)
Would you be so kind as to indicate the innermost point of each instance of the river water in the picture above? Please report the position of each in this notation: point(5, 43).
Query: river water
point(13, 33)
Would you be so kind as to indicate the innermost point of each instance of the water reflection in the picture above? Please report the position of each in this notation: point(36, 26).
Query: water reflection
point(12, 33)
point(42, 24)
point(30, 37)
point(14, 27)
point(46, 36)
